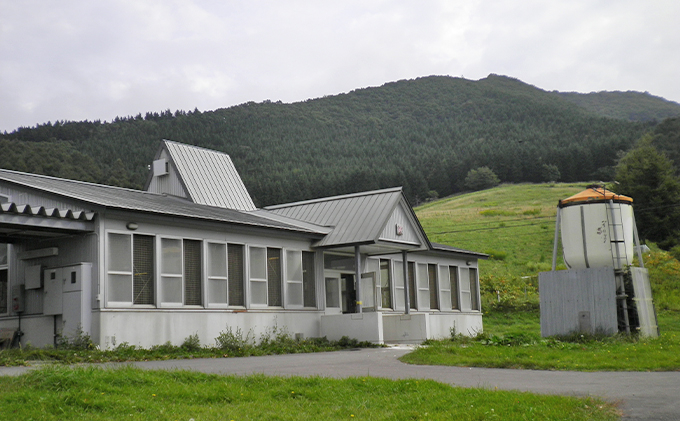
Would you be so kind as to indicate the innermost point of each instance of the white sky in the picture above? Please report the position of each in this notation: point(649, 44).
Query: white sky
point(93, 59)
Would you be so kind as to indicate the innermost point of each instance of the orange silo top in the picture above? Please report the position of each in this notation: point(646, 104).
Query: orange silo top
point(595, 194)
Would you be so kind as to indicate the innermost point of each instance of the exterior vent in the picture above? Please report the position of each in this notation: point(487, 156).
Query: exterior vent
point(160, 167)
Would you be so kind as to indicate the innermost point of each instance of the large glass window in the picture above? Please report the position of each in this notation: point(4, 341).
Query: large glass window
point(130, 268)
point(308, 279)
point(385, 284)
point(265, 276)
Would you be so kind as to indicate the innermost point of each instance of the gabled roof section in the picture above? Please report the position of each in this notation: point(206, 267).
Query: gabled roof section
point(208, 177)
point(356, 219)
point(98, 195)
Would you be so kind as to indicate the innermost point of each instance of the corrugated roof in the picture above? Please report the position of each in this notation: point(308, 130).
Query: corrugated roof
point(594, 194)
point(209, 176)
point(355, 218)
point(46, 212)
point(137, 200)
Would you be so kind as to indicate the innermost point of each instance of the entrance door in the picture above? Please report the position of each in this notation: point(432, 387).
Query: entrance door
point(349, 293)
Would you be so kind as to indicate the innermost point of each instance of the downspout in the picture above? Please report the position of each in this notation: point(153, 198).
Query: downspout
point(357, 277)
point(407, 301)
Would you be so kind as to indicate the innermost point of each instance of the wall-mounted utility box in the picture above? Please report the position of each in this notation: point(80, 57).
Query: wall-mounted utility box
point(33, 277)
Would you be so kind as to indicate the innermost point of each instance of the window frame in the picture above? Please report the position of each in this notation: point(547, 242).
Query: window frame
point(108, 272)
point(5, 268)
point(210, 278)
point(390, 284)
point(288, 282)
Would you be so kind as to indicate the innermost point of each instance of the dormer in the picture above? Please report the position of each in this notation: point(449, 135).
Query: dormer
point(201, 175)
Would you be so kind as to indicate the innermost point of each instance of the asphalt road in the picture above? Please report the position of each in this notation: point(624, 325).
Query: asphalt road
point(640, 395)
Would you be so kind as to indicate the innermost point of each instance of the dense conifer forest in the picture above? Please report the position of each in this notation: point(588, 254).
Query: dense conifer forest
point(424, 134)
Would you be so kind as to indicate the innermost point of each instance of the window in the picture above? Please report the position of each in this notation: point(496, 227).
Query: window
point(399, 285)
point(453, 279)
point(3, 277)
point(218, 290)
point(225, 274)
point(265, 276)
point(181, 274)
point(412, 284)
point(171, 271)
point(294, 271)
point(474, 290)
point(308, 279)
point(423, 285)
point(143, 264)
point(258, 276)
point(192, 273)
point(236, 275)
point(432, 280)
point(385, 284)
point(274, 277)
point(130, 268)
point(332, 292)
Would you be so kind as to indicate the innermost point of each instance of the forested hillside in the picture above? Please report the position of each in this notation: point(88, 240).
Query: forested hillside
point(424, 134)
point(632, 106)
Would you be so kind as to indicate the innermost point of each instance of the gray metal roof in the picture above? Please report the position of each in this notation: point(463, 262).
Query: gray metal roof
point(209, 176)
point(99, 195)
point(451, 249)
point(355, 218)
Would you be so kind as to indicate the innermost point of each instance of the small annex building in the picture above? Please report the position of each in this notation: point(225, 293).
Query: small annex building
point(192, 254)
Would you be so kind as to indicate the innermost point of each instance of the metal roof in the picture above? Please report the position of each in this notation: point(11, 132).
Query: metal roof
point(355, 218)
point(137, 200)
point(25, 221)
point(209, 177)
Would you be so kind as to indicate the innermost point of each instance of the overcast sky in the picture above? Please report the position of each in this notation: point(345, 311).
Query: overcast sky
point(92, 59)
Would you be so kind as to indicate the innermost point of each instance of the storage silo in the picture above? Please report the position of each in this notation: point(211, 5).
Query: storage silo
point(601, 292)
point(597, 229)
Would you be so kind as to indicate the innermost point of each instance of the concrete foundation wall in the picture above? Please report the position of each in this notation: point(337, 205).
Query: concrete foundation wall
point(406, 328)
point(148, 328)
point(467, 324)
point(363, 327)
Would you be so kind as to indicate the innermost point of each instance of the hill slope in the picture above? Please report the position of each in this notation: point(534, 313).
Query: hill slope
point(423, 134)
point(632, 106)
point(515, 224)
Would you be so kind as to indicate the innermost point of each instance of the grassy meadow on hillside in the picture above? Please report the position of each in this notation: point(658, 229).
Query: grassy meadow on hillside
point(513, 223)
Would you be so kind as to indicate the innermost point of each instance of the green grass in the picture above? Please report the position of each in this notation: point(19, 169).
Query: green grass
point(517, 219)
point(512, 340)
point(60, 393)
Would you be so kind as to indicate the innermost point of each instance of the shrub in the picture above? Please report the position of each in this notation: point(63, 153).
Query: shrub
point(191, 343)
point(481, 178)
point(233, 340)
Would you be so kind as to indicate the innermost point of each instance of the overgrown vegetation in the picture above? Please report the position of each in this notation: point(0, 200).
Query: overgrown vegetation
point(58, 393)
point(229, 343)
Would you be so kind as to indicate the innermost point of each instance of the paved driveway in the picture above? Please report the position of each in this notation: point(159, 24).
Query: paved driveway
point(642, 396)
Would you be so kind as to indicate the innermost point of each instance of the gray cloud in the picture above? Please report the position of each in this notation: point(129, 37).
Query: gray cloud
point(96, 60)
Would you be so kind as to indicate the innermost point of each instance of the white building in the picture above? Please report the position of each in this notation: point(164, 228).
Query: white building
point(192, 255)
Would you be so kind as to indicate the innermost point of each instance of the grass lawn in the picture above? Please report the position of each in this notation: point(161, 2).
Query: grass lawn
point(89, 393)
point(513, 341)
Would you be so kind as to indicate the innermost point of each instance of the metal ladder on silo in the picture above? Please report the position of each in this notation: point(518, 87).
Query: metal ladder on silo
point(615, 241)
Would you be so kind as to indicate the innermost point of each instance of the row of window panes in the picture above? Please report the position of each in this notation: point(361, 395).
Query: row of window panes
point(4, 257)
point(423, 294)
point(131, 276)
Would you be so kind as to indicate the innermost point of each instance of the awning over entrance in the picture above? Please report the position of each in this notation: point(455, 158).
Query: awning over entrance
point(25, 221)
